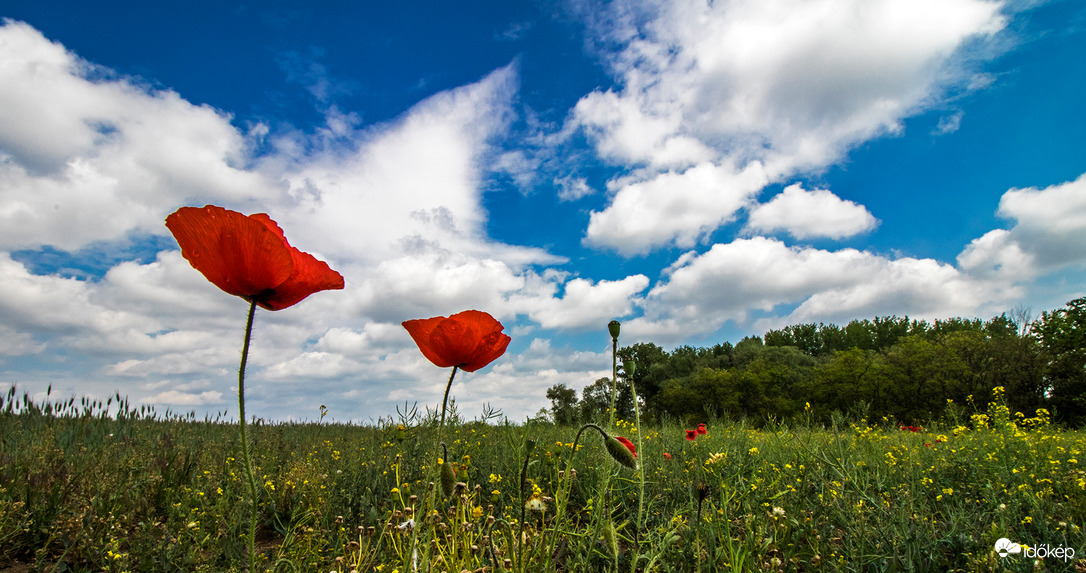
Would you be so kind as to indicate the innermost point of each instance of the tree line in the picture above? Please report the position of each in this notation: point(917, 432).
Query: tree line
point(910, 370)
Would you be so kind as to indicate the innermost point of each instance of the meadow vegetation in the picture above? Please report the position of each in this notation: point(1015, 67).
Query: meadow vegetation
point(104, 486)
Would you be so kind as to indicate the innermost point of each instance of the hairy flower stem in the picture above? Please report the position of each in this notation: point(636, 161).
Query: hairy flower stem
point(245, 458)
point(523, 508)
point(614, 379)
point(565, 485)
point(445, 400)
point(640, 475)
point(434, 474)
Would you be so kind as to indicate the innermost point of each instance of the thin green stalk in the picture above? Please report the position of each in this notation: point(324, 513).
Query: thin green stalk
point(245, 458)
point(565, 487)
point(434, 481)
point(640, 474)
point(445, 400)
point(614, 380)
point(521, 564)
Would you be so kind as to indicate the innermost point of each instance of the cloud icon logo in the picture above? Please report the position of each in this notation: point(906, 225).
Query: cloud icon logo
point(1005, 547)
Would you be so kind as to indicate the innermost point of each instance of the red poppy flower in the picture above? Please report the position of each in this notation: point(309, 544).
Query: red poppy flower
point(701, 429)
point(629, 445)
point(691, 434)
point(248, 256)
point(667, 456)
point(470, 339)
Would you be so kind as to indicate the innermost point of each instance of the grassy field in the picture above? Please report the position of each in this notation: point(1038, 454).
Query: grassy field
point(93, 486)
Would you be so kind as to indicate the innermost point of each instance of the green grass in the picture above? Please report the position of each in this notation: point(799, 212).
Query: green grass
point(91, 486)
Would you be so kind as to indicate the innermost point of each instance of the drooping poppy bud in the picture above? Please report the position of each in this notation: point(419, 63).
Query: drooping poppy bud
point(622, 450)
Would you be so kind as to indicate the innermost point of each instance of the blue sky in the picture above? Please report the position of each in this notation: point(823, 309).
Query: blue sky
point(699, 171)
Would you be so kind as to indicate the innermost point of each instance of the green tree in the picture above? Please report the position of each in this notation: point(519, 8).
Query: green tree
point(652, 369)
point(563, 404)
point(596, 400)
point(709, 392)
point(1062, 336)
point(852, 376)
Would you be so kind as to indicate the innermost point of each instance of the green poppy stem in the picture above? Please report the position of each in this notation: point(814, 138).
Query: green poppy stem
point(445, 400)
point(245, 458)
point(614, 380)
point(640, 475)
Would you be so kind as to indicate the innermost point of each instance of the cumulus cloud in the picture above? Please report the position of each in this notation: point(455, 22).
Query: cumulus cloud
point(74, 146)
point(181, 398)
point(587, 305)
point(1047, 234)
point(791, 84)
point(679, 207)
point(734, 281)
point(806, 214)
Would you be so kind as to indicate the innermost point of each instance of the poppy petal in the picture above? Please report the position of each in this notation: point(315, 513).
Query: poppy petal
point(310, 274)
point(420, 330)
point(238, 254)
point(490, 348)
point(454, 340)
point(629, 445)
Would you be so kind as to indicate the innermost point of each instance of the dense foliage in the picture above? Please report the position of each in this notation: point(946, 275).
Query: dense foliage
point(908, 370)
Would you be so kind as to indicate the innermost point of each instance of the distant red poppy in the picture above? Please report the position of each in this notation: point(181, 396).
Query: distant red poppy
point(701, 429)
point(667, 456)
point(629, 445)
point(248, 256)
point(691, 434)
point(470, 339)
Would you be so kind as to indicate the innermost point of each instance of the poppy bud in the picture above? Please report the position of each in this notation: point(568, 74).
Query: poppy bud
point(610, 538)
point(613, 327)
point(448, 479)
point(622, 450)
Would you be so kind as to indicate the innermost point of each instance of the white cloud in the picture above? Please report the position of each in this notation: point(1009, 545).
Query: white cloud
point(587, 305)
point(674, 207)
point(804, 78)
point(15, 343)
point(572, 188)
point(728, 282)
point(418, 176)
point(73, 148)
point(180, 398)
point(792, 84)
point(1049, 226)
point(805, 214)
point(310, 365)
